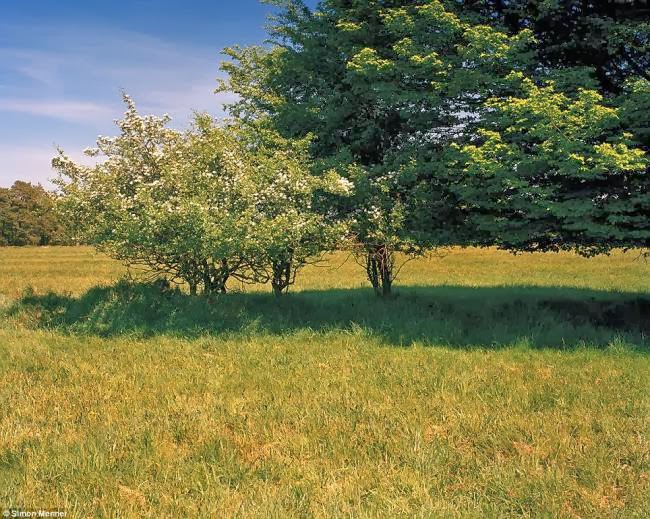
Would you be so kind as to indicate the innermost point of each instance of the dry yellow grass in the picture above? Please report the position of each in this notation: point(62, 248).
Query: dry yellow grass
point(76, 269)
point(124, 403)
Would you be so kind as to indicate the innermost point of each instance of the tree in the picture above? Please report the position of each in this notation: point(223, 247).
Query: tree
point(560, 160)
point(610, 37)
point(287, 232)
point(199, 206)
point(556, 171)
point(383, 86)
point(27, 216)
point(134, 205)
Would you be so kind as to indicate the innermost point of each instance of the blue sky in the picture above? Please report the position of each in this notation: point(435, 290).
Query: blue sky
point(63, 65)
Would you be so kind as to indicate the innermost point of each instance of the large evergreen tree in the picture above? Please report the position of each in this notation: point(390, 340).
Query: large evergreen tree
point(383, 86)
point(610, 37)
point(561, 161)
point(513, 122)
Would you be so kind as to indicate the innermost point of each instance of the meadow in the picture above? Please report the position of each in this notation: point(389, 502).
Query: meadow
point(491, 385)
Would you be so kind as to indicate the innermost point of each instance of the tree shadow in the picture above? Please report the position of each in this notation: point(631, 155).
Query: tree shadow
point(452, 316)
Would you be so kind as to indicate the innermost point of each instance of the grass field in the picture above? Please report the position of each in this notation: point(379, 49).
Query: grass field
point(490, 385)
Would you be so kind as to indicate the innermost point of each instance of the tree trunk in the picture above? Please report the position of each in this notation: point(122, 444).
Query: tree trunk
point(380, 263)
point(224, 274)
point(281, 276)
point(372, 271)
point(386, 280)
point(207, 279)
point(215, 279)
point(278, 290)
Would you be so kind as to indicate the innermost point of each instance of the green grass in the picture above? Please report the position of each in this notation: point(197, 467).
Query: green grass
point(491, 385)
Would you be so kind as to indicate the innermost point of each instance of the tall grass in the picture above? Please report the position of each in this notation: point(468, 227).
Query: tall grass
point(490, 386)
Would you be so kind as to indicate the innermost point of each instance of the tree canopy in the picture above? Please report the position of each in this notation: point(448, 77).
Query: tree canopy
point(611, 38)
point(417, 101)
point(383, 87)
point(199, 206)
point(27, 216)
point(555, 171)
point(387, 126)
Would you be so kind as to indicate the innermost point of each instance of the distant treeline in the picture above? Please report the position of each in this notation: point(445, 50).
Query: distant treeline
point(27, 216)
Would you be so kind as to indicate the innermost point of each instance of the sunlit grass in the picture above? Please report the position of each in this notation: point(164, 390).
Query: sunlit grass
point(76, 269)
point(468, 400)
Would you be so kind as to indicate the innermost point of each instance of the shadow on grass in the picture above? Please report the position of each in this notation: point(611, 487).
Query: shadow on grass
point(453, 316)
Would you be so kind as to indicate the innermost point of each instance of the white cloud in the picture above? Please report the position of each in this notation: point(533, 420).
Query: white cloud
point(73, 111)
point(42, 67)
point(97, 63)
point(76, 75)
point(32, 163)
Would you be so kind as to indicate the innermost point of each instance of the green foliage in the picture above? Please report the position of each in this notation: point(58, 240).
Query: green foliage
point(610, 38)
point(199, 206)
point(382, 94)
point(27, 216)
point(473, 398)
point(465, 122)
point(562, 161)
point(555, 171)
point(286, 231)
point(634, 109)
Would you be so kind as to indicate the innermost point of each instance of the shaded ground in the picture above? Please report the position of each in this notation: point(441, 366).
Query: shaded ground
point(446, 315)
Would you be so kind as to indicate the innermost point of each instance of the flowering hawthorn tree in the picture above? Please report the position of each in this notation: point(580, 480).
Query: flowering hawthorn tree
point(287, 229)
point(199, 206)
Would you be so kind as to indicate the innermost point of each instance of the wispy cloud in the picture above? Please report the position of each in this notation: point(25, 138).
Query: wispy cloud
point(32, 65)
point(71, 78)
point(88, 78)
point(73, 111)
point(31, 163)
